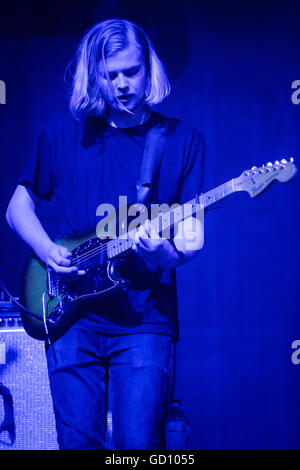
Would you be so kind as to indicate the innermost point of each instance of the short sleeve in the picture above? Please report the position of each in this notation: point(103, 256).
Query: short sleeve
point(39, 172)
point(197, 174)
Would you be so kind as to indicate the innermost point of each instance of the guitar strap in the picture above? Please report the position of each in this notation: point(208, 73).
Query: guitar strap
point(152, 156)
point(151, 161)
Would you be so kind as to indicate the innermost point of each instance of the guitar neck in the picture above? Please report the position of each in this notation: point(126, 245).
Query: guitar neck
point(218, 193)
point(167, 220)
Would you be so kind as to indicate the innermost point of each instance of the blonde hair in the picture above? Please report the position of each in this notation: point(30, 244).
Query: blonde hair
point(103, 40)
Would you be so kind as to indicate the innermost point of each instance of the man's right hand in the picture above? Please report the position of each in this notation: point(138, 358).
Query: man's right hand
point(58, 258)
point(22, 218)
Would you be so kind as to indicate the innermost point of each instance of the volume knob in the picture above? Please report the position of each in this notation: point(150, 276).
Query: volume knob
point(67, 298)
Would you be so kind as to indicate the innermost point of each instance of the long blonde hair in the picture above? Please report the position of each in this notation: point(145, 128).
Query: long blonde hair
point(101, 41)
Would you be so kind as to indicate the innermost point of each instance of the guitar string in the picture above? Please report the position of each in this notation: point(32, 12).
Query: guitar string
point(103, 248)
point(99, 250)
point(119, 241)
point(112, 242)
point(205, 199)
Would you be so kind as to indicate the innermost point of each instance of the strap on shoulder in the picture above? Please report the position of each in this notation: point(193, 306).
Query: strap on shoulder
point(151, 161)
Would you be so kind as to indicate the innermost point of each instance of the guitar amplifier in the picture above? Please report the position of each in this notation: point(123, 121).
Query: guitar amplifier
point(26, 413)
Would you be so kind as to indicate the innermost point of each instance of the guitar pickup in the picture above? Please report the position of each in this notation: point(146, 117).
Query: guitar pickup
point(53, 284)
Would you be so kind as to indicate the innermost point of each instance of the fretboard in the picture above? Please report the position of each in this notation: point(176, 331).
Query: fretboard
point(167, 220)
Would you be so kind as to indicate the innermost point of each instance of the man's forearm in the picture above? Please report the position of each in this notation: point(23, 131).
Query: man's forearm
point(24, 221)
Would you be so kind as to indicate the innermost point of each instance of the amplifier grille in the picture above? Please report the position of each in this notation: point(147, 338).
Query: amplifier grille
point(26, 413)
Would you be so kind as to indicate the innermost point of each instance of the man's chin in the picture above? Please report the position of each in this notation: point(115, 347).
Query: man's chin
point(130, 106)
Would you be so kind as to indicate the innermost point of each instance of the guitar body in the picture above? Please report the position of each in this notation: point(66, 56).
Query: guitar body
point(69, 294)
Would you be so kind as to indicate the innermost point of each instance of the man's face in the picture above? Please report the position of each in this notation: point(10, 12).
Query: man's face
point(128, 79)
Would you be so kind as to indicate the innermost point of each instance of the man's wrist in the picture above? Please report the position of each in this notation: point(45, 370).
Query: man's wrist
point(178, 257)
point(181, 258)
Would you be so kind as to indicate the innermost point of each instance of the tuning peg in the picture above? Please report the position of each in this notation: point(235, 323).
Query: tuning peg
point(277, 162)
point(269, 166)
point(283, 161)
point(255, 170)
point(291, 160)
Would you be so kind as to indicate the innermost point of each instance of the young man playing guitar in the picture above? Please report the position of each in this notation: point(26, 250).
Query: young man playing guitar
point(116, 354)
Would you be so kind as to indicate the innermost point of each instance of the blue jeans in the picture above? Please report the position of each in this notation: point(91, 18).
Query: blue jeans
point(91, 372)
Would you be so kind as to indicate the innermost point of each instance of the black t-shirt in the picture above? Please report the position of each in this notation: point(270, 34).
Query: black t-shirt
point(86, 163)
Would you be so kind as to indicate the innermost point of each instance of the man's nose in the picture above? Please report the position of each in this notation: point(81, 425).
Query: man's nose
point(121, 82)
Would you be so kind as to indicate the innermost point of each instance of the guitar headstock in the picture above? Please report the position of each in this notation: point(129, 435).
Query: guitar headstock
point(254, 181)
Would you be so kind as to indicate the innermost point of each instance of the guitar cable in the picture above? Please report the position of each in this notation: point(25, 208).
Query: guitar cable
point(22, 307)
point(45, 319)
point(13, 299)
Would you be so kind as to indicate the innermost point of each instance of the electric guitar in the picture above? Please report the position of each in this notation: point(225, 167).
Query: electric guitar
point(53, 301)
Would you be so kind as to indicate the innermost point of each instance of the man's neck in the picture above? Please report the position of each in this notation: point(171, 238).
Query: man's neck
point(123, 119)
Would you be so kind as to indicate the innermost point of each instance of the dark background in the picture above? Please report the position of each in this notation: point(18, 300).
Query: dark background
point(231, 66)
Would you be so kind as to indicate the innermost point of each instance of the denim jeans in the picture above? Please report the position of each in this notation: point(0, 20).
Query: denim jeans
point(91, 372)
